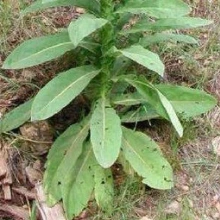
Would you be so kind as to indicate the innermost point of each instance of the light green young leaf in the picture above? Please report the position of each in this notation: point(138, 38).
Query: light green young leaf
point(84, 26)
point(146, 159)
point(173, 118)
point(61, 90)
point(156, 8)
point(167, 24)
point(144, 57)
point(77, 187)
point(155, 98)
point(16, 117)
point(38, 50)
point(105, 133)
point(90, 5)
point(161, 37)
point(104, 190)
point(186, 101)
point(62, 158)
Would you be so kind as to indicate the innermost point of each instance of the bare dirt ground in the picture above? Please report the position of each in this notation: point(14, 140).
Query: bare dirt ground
point(195, 157)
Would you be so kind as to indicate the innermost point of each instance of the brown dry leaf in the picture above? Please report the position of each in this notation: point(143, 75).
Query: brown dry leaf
point(34, 176)
point(173, 208)
point(18, 212)
point(5, 173)
point(48, 213)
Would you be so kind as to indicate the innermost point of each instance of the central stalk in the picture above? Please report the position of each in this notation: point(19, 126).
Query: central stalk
point(107, 42)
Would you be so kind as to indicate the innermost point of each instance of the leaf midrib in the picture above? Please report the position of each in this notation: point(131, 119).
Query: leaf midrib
point(42, 51)
point(60, 94)
point(73, 143)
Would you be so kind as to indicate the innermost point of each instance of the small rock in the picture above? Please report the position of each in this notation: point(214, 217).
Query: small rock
point(145, 218)
point(216, 215)
point(216, 145)
point(173, 208)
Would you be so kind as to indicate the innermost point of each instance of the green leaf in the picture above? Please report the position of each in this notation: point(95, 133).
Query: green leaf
point(167, 24)
point(90, 5)
point(83, 27)
point(105, 133)
point(16, 117)
point(156, 99)
point(186, 101)
point(90, 46)
point(39, 50)
point(156, 8)
point(61, 90)
point(144, 57)
point(128, 99)
point(78, 186)
point(104, 191)
point(62, 158)
point(146, 159)
point(161, 37)
point(143, 113)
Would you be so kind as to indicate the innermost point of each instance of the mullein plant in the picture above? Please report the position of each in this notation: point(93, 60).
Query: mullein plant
point(111, 52)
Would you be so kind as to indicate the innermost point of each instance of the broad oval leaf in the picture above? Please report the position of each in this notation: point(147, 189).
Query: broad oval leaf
point(62, 158)
point(146, 159)
point(84, 26)
point(156, 8)
point(144, 57)
point(105, 133)
point(161, 37)
point(167, 24)
point(155, 98)
point(61, 90)
point(104, 188)
point(90, 5)
point(78, 186)
point(39, 50)
point(16, 117)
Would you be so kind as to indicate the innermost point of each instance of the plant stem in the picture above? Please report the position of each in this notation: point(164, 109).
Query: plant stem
point(107, 41)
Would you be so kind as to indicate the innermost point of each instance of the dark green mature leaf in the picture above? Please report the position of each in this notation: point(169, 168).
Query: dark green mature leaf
point(84, 26)
point(128, 99)
point(90, 5)
point(61, 90)
point(77, 188)
point(167, 24)
point(144, 57)
point(156, 8)
point(62, 158)
point(105, 133)
point(143, 113)
point(161, 37)
point(16, 117)
point(104, 190)
point(155, 98)
point(146, 159)
point(39, 50)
